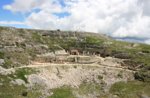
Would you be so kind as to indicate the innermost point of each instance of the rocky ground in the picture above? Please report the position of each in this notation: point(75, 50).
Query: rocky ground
point(104, 72)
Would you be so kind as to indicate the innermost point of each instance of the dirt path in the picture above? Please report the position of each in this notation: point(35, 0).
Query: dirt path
point(39, 65)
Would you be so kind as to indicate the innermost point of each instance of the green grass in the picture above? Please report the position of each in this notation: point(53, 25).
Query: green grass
point(37, 38)
point(132, 89)
point(89, 88)
point(63, 92)
point(8, 90)
point(93, 40)
point(143, 74)
point(16, 91)
point(20, 73)
point(1, 55)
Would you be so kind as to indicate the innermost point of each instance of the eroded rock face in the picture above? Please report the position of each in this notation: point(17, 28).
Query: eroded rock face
point(104, 72)
point(54, 77)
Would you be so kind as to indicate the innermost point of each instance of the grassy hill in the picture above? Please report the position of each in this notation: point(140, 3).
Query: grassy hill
point(18, 47)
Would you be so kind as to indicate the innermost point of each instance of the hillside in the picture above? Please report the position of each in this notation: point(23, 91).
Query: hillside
point(67, 64)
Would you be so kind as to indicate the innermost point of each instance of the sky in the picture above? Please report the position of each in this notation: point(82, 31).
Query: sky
point(120, 19)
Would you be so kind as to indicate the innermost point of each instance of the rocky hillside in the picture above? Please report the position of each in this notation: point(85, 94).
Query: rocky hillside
point(67, 64)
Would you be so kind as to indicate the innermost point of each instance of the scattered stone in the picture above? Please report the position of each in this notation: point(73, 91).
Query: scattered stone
point(4, 71)
point(2, 61)
point(144, 96)
point(1, 84)
point(18, 82)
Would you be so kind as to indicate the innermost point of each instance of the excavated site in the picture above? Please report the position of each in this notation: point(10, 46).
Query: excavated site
point(83, 68)
point(73, 71)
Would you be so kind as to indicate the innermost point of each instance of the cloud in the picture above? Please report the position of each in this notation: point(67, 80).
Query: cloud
point(11, 23)
point(145, 6)
point(138, 27)
point(22, 6)
point(118, 18)
point(147, 41)
point(30, 5)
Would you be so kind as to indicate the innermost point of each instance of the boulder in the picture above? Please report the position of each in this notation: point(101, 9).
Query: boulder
point(2, 61)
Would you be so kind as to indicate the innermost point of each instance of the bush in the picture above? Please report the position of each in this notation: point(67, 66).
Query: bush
point(24, 94)
point(1, 55)
point(143, 74)
point(8, 63)
point(20, 73)
point(120, 54)
point(37, 38)
point(90, 40)
point(105, 52)
point(132, 65)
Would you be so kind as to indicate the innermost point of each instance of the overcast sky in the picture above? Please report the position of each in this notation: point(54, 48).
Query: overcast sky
point(117, 18)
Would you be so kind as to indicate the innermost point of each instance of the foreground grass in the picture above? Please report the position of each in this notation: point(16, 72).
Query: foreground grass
point(17, 91)
point(85, 89)
point(63, 92)
point(10, 90)
point(89, 88)
point(132, 89)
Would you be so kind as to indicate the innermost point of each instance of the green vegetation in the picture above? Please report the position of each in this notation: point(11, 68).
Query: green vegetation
point(14, 59)
point(20, 73)
point(1, 55)
point(100, 77)
point(132, 89)
point(16, 91)
point(84, 90)
point(63, 92)
point(143, 74)
point(37, 37)
point(89, 88)
point(8, 90)
point(93, 40)
point(7, 63)
point(120, 74)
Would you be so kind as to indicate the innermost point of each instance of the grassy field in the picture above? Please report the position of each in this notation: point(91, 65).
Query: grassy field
point(63, 92)
point(131, 89)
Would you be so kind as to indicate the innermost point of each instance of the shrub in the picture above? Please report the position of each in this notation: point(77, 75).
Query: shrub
point(143, 74)
point(37, 38)
point(1, 55)
point(20, 73)
point(8, 63)
point(90, 40)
